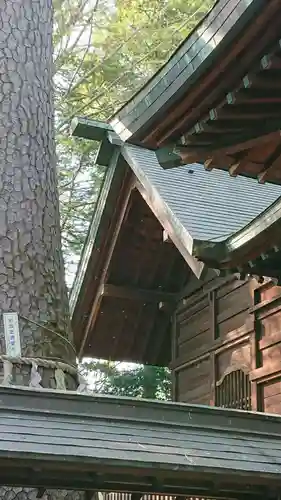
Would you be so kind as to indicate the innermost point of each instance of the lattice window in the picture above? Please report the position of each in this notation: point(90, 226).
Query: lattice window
point(234, 391)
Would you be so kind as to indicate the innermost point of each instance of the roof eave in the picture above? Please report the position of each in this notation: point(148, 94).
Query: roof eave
point(243, 242)
point(95, 229)
point(263, 222)
point(144, 103)
point(212, 253)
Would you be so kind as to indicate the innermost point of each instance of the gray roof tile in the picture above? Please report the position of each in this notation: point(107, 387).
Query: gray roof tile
point(209, 205)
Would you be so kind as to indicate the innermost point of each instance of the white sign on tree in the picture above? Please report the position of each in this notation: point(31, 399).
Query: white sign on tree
point(12, 335)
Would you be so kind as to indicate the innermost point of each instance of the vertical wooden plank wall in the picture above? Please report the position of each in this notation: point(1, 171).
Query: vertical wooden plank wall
point(266, 372)
point(227, 345)
point(212, 338)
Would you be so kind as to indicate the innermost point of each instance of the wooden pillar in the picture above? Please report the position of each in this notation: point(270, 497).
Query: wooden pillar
point(214, 335)
point(174, 339)
point(256, 402)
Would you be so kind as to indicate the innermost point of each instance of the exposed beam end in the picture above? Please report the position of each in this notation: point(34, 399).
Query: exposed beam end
point(209, 164)
point(169, 157)
point(89, 129)
point(234, 169)
point(166, 237)
point(262, 177)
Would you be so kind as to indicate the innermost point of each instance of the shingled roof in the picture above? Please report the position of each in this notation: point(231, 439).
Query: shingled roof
point(135, 445)
point(127, 258)
point(256, 248)
point(207, 206)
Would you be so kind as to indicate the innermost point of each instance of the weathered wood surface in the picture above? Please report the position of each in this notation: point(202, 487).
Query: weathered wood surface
point(266, 372)
point(229, 327)
point(213, 330)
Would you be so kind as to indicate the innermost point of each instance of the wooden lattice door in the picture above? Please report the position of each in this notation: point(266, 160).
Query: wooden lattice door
point(233, 390)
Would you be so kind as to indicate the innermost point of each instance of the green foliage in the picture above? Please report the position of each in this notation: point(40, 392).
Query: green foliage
point(105, 50)
point(126, 45)
point(80, 180)
point(138, 381)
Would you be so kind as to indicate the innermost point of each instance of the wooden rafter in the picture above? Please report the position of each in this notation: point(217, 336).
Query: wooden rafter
point(249, 139)
point(271, 164)
point(179, 115)
point(234, 143)
point(262, 81)
point(246, 113)
point(250, 116)
point(125, 292)
point(256, 96)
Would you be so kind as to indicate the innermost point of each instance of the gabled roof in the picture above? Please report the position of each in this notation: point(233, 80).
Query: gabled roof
point(70, 441)
point(129, 280)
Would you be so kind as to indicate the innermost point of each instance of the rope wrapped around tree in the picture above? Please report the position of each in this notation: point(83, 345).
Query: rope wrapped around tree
point(59, 367)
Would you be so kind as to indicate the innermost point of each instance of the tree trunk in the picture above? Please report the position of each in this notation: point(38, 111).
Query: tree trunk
point(31, 265)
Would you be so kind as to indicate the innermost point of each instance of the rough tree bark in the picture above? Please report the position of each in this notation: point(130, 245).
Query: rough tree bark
point(31, 264)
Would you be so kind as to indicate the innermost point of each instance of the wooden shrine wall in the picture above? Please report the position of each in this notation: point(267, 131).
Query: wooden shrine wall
point(266, 347)
point(227, 345)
